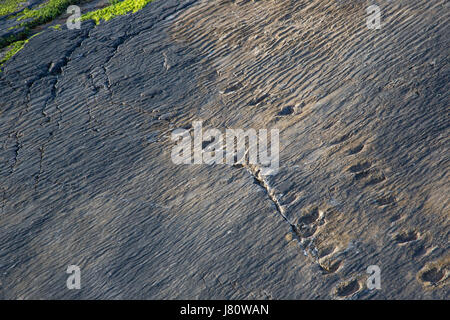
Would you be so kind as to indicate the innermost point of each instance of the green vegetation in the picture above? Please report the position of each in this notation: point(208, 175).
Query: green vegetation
point(9, 6)
point(38, 16)
point(13, 49)
point(56, 27)
point(51, 9)
point(46, 12)
point(4, 42)
point(116, 8)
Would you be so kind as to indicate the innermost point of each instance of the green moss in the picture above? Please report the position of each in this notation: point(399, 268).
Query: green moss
point(13, 49)
point(9, 6)
point(45, 12)
point(5, 41)
point(42, 14)
point(51, 9)
point(116, 8)
point(56, 27)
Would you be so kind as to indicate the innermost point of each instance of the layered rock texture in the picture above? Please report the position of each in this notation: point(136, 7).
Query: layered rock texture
point(86, 176)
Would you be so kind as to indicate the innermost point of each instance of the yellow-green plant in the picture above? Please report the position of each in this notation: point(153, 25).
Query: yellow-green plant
point(12, 49)
point(9, 6)
point(51, 9)
point(45, 12)
point(116, 8)
point(37, 16)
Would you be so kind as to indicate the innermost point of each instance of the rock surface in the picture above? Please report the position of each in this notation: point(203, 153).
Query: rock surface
point(86, 176)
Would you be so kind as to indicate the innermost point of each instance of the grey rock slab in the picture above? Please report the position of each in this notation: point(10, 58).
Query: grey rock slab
point(87, 177)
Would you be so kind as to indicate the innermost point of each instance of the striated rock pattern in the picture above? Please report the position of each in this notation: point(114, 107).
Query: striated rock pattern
point(86, 176)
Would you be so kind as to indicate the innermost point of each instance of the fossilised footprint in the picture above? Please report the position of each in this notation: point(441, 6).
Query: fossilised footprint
point(359, 167)
point(326, 251)
point(432, 275)
point(382, 201)
point(286, 111)
point(347, 288)
point(406, 236)
point(310, 217)
point(231, 88)
point(355, 150)
point(305, 231)
point(330, 266)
